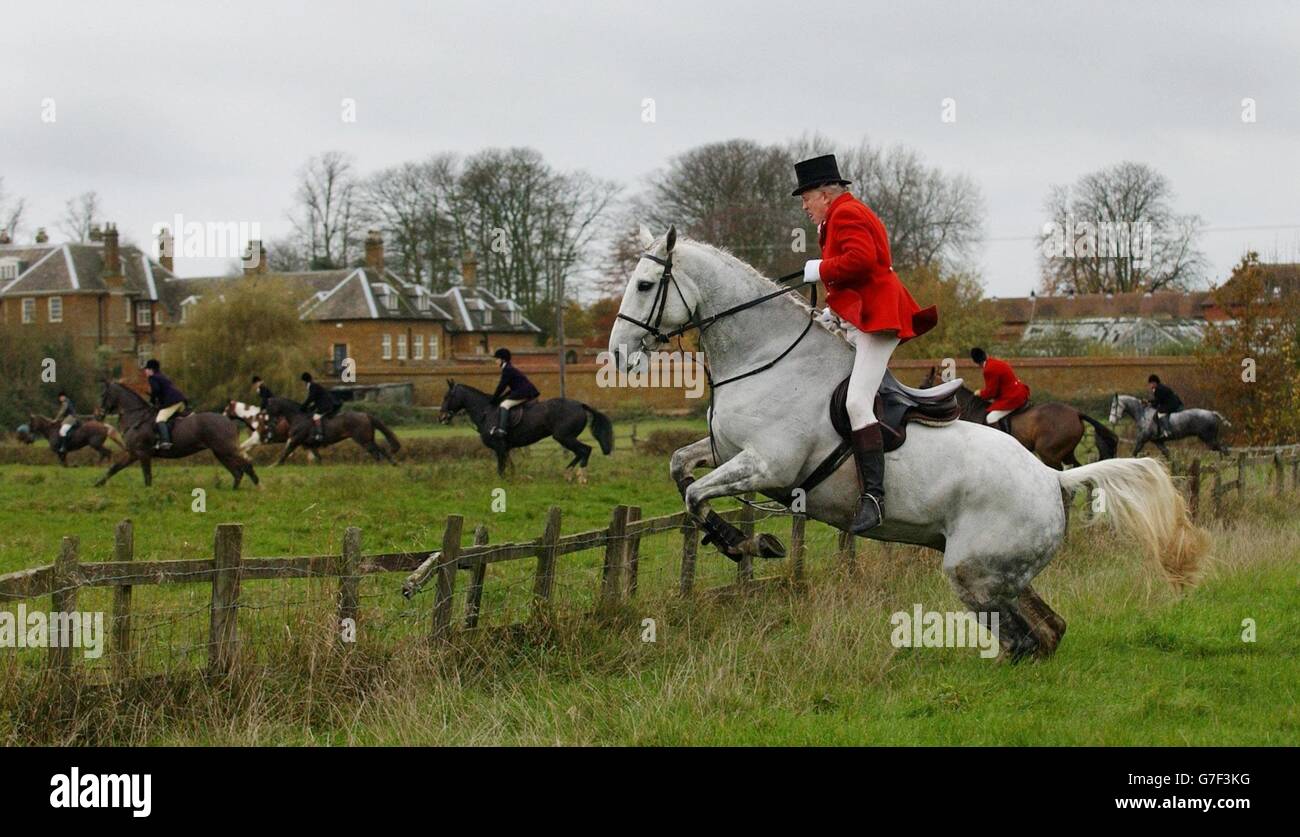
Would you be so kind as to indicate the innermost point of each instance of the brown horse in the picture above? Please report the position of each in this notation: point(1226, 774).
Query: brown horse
point(1051, 430)
point(349, 424)
point(87, 433)
point(190, 434)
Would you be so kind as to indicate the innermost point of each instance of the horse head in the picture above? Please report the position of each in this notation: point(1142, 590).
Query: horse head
point(658, 297)
point(451, 403)
point(107, 398)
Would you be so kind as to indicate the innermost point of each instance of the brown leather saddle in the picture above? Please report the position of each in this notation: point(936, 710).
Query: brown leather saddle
point(516, 413)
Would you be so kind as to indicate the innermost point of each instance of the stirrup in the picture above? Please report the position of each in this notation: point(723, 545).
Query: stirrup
point(862, 507)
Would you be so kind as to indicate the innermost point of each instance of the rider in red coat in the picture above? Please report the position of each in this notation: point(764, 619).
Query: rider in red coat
point(862, 288)
point(1001, 386)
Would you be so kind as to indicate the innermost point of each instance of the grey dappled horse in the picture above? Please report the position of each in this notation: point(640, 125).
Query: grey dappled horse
point(1203, 424)
point(972, 492)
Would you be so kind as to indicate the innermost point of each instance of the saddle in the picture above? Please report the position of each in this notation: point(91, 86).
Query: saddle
point(898, 405)
point(516, 413)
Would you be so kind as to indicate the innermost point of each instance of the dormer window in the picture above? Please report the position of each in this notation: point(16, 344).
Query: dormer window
point(487, 315)
point(9, 269)
point(143, 315)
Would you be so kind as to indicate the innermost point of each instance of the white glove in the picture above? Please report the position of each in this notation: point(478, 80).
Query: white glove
point(812, 270)
point(827, 318)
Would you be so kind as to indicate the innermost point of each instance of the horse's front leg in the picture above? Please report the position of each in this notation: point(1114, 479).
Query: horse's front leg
point(115, 467)
point(685, 460)
point(289, 448)
point(745, 472)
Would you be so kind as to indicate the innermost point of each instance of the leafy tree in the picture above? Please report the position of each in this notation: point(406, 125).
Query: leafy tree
point(965, 320)
point(25, 354)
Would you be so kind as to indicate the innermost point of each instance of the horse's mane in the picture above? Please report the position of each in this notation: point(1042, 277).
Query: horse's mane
point(129, 391)
point(736, 263)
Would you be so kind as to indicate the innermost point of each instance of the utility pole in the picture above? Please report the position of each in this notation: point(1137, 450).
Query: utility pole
point(559, 323)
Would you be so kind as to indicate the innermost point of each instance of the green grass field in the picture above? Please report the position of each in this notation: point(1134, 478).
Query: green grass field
point(1139, 664)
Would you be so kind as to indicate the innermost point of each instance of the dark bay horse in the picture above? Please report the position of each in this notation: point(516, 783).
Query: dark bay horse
point(1051, 430)
point(346, 424)
point(87, 433)
point(562, 418)
point(190, 434)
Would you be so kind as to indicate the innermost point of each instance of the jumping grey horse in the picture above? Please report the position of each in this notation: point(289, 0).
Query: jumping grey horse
point(1203, 424)
point(971, 492)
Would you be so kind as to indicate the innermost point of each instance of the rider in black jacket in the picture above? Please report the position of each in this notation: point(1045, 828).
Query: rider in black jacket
point(263, 391)
point(515, 385)
point(1166, 401)
point(321, 403)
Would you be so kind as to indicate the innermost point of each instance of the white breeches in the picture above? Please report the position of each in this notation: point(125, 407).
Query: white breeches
point(871, 358)
point(995, 416)
point(512, 402)
point(167, 412)
point(65, 427)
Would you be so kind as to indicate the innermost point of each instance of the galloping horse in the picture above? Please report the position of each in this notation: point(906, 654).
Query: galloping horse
point(1052, 430)
point(562, 418)
point(349, 424)
point(87, 433)
point(1203, 424)
point(970, 491)
point(264, 429)
point(190, 434)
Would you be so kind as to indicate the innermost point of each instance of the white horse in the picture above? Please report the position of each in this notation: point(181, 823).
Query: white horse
point(1203, 424)
point(972, 492)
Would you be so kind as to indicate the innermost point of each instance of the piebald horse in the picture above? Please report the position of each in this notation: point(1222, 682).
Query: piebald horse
point(969, 491)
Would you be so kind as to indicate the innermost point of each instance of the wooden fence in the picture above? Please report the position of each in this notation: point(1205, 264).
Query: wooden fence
point(229, 569)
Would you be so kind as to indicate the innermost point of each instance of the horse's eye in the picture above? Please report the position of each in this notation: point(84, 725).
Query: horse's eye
point(644, 285)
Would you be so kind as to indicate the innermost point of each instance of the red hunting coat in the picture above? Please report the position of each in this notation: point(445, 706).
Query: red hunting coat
point(1002, 387)
point(861, 286)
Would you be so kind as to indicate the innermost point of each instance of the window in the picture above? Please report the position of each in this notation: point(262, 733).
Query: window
point(487, 316)
point(516, 317)
point(143, 353)
point(387, 353)
point(401, 347)
point(143, 315)
point(127, 300)
point(9, 270)
point(433, 347)
point(56, 309)
point(417, 351)
point(29, 310)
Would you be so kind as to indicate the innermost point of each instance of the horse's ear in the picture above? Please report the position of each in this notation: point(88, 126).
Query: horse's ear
point(644, 237)
point(451, 384)
point(672, 238)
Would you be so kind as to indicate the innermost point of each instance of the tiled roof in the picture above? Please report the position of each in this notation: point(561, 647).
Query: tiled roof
point(469, 308)
point(79, 268)
point(1173, 305)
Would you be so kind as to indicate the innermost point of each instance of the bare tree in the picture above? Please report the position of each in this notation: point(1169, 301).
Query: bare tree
point(326, 218)
point(1115, 231)
point(411, 203)
point(11, 212)
point(79, 215)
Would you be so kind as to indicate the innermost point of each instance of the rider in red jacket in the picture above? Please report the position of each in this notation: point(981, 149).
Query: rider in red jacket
point(1001, 387)
point(862, 289)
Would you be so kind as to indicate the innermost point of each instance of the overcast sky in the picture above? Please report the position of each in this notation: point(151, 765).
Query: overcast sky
point(209, 109)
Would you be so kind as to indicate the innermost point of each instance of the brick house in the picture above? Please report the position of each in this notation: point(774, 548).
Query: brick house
point(99, 294)
point(389, 327)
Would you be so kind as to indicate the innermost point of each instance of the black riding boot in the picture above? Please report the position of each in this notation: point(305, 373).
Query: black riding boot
point(503, 421)
point(63, 445)
point(164, 436)
point(318, 431)
point(869, 455)
point(1004, 424)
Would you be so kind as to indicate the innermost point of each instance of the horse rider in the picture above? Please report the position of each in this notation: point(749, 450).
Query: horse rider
point(515, 386)
point(1166, 401)
point(67, 415)
point(1002, 388)
point(263, 391)
point(164, 395)
point(321, 403)
point(879, 313)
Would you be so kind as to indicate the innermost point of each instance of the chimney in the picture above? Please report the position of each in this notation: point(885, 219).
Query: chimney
point(41, 237)
point(375, 251)
point(112, 258)
point(96, 234)
point(4, 237)
point(468, 269)
point(251, 268)
point(165, 244)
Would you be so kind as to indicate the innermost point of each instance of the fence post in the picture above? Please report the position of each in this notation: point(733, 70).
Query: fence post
point(1295, 471)
point(745, 566)
point(633, 555)
point(474, 595)
point(544, 580)
point(847, 547)
point(1216, 491)
point(1241, 476)
point(349, 585)
point(612, 573)
point(1279, 475)
point(690, 547)
point(123, 550)
point(223, 633)
point(446, 576)
point(1194, 488)
point(63, 605)
point(798, 548)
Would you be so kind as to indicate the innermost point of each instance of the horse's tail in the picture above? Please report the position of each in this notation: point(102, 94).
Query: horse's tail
point(1141, 499)
point(602, 428)
point(393, 445)
point(1107, 441)
point(1222, 418)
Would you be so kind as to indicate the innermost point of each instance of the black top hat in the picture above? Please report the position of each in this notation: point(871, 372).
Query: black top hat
point(819, 171)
